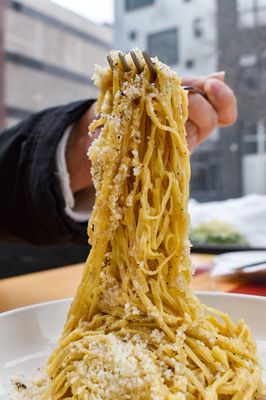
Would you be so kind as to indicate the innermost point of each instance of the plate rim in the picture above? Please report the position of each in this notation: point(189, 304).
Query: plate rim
point(69, 299)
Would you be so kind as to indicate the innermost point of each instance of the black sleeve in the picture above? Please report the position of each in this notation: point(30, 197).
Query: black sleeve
point(31, 203)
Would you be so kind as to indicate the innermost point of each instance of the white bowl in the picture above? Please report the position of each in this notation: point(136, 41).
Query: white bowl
point(29, 334)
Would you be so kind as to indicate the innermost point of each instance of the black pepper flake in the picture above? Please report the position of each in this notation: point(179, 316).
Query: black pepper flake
point(20, 386)
point(136, 101)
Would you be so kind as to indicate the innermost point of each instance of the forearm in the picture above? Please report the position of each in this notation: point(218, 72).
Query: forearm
point(32, 205)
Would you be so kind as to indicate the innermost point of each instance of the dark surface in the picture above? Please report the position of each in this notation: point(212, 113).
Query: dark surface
point(2, 81)
point(221, 248)
point(18, 259)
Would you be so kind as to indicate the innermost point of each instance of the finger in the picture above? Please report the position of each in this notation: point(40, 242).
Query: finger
point(192, 135)
point(203, 115)
point(223, 100)
point(217, 75)
point(199, 81)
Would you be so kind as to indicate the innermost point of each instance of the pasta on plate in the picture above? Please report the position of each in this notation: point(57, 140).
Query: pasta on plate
point(135, 330)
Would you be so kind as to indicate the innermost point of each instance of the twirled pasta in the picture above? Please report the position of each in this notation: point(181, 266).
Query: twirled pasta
point(135, 330)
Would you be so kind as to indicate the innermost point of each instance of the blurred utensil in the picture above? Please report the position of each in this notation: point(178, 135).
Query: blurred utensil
point(248, 263)
point(251, 265)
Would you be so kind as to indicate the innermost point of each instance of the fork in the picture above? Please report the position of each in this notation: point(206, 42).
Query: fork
point(250, 265)
point(151, 67)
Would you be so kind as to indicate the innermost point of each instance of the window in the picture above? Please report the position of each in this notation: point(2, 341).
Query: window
point(254, 138)
point(247, 20)
point(16, 5)
point(190, 63)
point(252, 71)
point(199, 177)
point(204, 175)
point(198, 27)
point(262, 66)
point(132, 35)
point(244, 5)
point(248, 71)
point(133, 4)
point(251, 13)
point(164, 45)
point(261, 16)
point(250, 147)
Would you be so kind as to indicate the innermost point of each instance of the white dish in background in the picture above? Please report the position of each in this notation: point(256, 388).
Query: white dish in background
point(229, 264)
point(29, 334)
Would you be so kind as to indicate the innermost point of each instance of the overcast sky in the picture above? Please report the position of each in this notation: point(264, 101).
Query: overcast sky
point(99, 11)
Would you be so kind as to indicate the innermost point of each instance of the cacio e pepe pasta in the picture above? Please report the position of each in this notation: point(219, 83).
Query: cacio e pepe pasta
point(135, 329)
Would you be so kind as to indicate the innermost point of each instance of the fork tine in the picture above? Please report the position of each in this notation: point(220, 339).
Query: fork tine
point(124, 62)
point(110, 62)
point(151, 67)
point(150, 64)
point(138, 65)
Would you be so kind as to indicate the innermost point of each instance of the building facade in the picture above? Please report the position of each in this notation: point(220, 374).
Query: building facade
point(197, 37)
point(48, 56)
point(183, 34)
point(242, 23)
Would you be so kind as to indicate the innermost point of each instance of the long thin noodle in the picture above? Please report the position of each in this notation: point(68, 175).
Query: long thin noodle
point(135, 330)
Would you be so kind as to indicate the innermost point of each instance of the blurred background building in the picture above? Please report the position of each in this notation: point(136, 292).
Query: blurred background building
point(48, 55)
point(197, 37)
point(242, 54)
point(183, 34)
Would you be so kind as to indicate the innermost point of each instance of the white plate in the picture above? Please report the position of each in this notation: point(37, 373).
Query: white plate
point(244, 255)
point(28, 334)
point(229, 263)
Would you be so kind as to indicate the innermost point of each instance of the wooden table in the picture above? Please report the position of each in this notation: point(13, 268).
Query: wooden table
point(62, 282)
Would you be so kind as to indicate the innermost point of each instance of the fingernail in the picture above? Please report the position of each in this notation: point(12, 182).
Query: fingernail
point(218, 75)
point(221, 74)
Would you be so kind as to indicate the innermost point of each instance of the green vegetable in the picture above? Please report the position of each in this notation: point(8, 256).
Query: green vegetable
point(217, 232)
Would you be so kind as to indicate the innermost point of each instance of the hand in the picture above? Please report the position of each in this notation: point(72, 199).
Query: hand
point(205, 115)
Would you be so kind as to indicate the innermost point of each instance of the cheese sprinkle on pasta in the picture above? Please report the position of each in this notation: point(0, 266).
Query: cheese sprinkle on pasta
point(135, 330)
